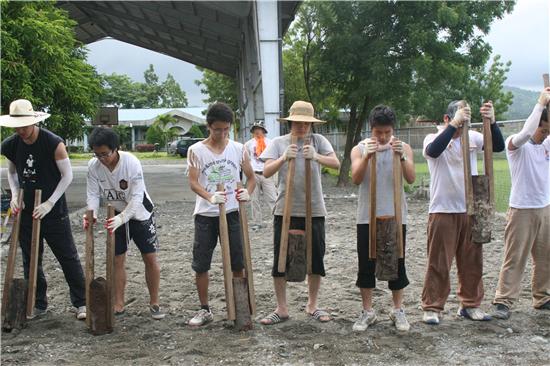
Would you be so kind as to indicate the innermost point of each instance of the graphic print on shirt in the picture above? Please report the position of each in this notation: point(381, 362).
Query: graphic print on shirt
point(114, 195)
point(217, 172)
point(29, 172)
point(123, 184)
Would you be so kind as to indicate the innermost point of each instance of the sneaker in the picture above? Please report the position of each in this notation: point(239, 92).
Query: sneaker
point(545, 306)
point(400, 320)
point(37, 313)
point(156, 312)
point(366, 318)
point(202, 317)
point(500, 311)
point(431, 317)
point(473, 314)
point(81, 313)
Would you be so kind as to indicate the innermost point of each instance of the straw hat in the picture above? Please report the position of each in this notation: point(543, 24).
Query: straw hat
point(301, 112)
point(258, 124)
point(22, 115)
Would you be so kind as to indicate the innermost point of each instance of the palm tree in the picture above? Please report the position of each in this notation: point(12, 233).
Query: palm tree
point(163, 122)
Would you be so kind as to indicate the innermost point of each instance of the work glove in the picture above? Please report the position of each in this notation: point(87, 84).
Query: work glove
point(487, 111)
point(218, 197)
point(371, 145)
point(114, 222)
point(291, 152)
point(243, 195)
point(85, 222)
point(42, 210)
point(397, 146)
point(544, 97)
point(462, 115)
point(14, 205)
point(310, 153)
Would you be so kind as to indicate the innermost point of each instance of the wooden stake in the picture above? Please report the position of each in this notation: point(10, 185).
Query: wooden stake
point(397, 197)
point(247, 254)
point(309, 223)
point(283, 248)
point(372, 215)
point(35, 252)
point(468, 189)
point(12, 254)
point(89, 260)
point(226, 257)
point(110, 271)
point(488, 158)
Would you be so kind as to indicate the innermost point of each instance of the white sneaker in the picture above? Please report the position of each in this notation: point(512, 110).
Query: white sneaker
point(202, 317)
point(81, 313)
point(366, 318)
point(400, 320)
point(431, 317)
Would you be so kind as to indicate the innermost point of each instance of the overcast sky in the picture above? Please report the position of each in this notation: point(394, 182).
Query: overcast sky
point(521, 37)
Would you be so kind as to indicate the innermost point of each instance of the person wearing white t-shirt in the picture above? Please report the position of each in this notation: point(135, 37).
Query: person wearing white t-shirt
point(117, 177)
point(528, 228)
point(217, 160)
point(264, 186)
point(449, 227)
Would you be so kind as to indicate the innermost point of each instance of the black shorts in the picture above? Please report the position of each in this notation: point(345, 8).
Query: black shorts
point(318, 242)
point(143, 233)
point(207, 230)
point(367, 267)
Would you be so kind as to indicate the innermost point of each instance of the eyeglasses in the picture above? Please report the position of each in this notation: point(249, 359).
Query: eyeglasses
point(104, 155)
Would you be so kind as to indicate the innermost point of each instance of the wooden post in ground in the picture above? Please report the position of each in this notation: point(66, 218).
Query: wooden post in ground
point(15, 312)
point(12, 254)
point(308, 223)
point(468, 189)
point(372, 208)
point(226, 257)
point(397, 197)
point(89, 261)
point(247, 255)
point(110, 271)
point(35, 252)
point(488, 158)
point(287, 212)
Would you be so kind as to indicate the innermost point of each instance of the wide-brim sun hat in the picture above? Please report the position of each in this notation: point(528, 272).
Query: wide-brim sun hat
point(258, 124)
point(22, 115)
point(301, 111)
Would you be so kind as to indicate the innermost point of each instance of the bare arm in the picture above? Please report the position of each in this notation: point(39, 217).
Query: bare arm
point(272, 166)
point(359, 164)
point(329, 160)
point(408, 165)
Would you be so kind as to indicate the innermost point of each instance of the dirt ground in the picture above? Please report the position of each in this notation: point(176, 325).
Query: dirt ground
point(58, 338)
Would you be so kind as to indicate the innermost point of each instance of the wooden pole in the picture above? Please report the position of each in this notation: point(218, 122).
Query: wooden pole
point(397, 197)
point(546, 80)
point(110, 271)
point(89, 260)
point(35, 252)
point(372, 215)
point(12, 254)
point(468, 189)
point(247, 255)
point(287, 211)
point(488, 158)
point(309, 223)
point(226, 257)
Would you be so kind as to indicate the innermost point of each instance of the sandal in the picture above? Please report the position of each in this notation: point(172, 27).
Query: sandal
point(319, 314)
point(273, 318)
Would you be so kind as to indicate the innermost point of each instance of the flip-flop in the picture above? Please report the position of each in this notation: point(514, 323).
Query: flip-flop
point(273, 318)
point(320, 313)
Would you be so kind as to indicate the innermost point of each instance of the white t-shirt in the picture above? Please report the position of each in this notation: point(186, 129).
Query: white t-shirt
point(122, 188)
point(217, 168)
point(250, 146)
point(530, 172)
point(447, 193)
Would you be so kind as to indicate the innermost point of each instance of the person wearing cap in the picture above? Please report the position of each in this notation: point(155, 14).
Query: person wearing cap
point(264, 186)
point(449, 227)
point(528, 228)
point(37, 159)
point(276, 156)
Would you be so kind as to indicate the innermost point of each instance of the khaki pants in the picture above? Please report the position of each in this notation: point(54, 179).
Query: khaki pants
point(527, 232)
point(450, 236)
point(264, 187)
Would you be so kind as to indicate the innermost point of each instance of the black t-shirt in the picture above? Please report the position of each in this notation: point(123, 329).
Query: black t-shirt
point(36, 168)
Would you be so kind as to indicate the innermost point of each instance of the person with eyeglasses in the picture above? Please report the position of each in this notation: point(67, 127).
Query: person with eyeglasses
point(38, 159)
point(117, 177)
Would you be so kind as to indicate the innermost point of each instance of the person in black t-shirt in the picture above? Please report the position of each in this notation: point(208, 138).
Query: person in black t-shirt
point(37, 159)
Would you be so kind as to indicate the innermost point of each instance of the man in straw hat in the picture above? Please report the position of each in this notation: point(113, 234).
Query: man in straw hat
point(37, 159)
point(264, 186)
point(276, 156)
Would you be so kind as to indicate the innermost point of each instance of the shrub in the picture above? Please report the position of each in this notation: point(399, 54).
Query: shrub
point(145, 147)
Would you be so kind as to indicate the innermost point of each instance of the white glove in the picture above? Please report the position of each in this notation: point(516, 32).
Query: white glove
point(14, 204)
point(310, 153)
point(487, 111)
point(243, 195)
point(462, 115)
point(218, 197)
point(397, 146)
point(85, 222)
point(42, 210)
point(291, 152)
point(371, 145)
point(544, 97)
point(114, 222)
